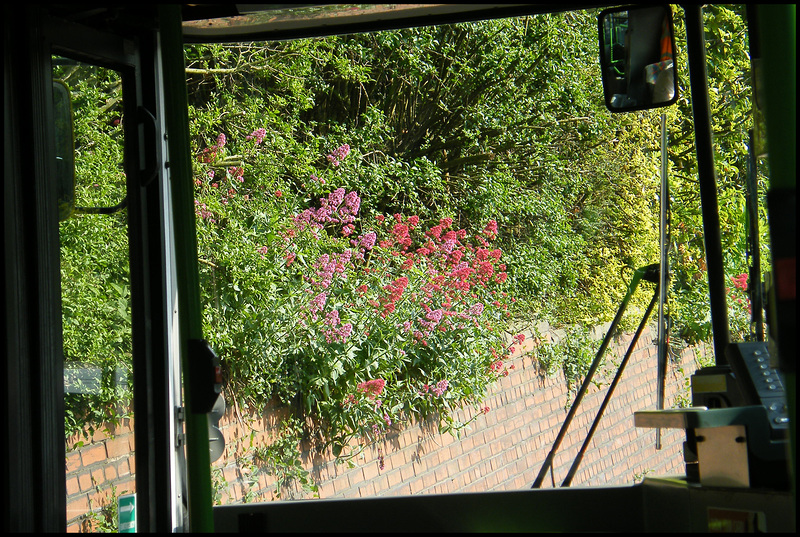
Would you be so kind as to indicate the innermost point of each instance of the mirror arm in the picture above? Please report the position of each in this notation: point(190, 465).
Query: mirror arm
point(103, 210)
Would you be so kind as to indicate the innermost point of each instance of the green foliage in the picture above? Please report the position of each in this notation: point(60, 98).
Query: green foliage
point(483, 124)
point(731, 111)
point(105, 518)
point(465, 124)
point(281, 459)
point(96, 308)
point(310, 304)
point(573, 354)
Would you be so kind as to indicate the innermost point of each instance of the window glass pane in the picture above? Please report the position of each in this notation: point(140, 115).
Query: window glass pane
point(339, 274)
point(96, 305)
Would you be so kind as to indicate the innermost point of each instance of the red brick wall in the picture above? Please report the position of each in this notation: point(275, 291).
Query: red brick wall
point(503, 450)
point(104, 466)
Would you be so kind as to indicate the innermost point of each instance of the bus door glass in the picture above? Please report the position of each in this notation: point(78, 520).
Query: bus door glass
point(96, 295)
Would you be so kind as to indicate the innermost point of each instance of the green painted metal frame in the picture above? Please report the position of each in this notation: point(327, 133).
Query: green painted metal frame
point(189, 306)
point(778, 33)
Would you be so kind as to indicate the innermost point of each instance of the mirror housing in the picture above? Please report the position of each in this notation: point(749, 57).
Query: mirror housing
point(64, 149)
point(637, 58)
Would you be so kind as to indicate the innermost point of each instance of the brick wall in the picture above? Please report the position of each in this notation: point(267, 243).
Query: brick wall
point(503, 449)
point(98, 472)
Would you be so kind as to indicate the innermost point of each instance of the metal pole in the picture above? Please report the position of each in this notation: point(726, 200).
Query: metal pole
point(610, 392)
point(695, 47)
point(637, 276)
point(754, 248)
point(663, 278)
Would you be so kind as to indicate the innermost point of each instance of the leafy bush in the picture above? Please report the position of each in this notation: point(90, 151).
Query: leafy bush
point(359, 323)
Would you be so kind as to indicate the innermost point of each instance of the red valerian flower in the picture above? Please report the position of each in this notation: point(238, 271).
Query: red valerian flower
point(372, 388)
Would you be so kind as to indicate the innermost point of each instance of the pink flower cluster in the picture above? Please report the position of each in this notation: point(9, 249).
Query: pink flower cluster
point(327, 266)
point(372, 388)
point(394, 292)
point(257, 135)
point(201, 210)
point(317, 304)
point(438, 389)
point(339, 155)
point(209, 154)
point(337, 208)
point(740, 281)
point(334, 331)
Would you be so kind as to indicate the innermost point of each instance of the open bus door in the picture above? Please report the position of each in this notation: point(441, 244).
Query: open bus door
point(144, 46)
point(40, 45)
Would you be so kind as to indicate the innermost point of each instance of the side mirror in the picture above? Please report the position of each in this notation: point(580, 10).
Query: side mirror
point(637, 47)
point(65, 149)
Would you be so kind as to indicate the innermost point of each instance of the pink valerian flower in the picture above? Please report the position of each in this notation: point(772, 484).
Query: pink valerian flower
point(339, 155)
point(235, 173)
point(317, 303)
point(201, 210)
point(455, 257)
point(432, 319)
point(372, 388)
point(396, 288)
point(440, 388)
point(435, 232)
point(258, 135)
point(336, 333)
point(476, 309)
point(436, 390)
point(367, 241)
point(345, 331)
point(449, 242)
point(434, 315)
point(335, 198)
point(352, 203)
point(209, 154)
point(327, 266)
point(337, 208)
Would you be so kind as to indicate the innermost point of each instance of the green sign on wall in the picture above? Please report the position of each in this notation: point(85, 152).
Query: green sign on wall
point(126, 509)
